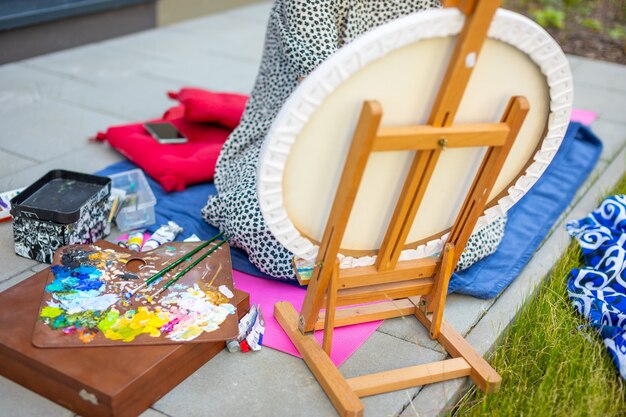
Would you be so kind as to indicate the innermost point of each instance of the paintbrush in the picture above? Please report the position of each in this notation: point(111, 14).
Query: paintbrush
point(189, 268)
point(113, 212)
point(174, 264)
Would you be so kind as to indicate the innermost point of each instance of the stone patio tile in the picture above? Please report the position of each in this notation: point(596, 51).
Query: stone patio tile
point(433, 399)
point(11, 263)
point(11, 163)
point(410, 330)
point(574, 61)
point(94, 63)
point(16, 279)
point(596, 173)
point(196, 65)
point(135, 97)
point(232, 37)
point(601, 74)
point(88, 159)
point(209, 71)
point(609, 103)
point(462, 312)
point(17, 401)
point(380, 353)
point(259, 12)
point(152, 413)
point(613, 136)
point(166, 43)
point(265, 383)
point(148, 413)
point(39, 267)
point(50, 129)
point(21, 85)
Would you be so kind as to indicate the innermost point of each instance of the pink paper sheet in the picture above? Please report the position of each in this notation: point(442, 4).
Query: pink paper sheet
point(346, 340)
point(585, 117)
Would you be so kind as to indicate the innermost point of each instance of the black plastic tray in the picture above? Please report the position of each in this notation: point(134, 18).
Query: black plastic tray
point(58, 196)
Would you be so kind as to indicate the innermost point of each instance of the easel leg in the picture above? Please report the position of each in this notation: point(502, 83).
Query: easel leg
point(332, 381)
point(437, 299)
point(360, 149)
point(483, 375)
point(331, 306)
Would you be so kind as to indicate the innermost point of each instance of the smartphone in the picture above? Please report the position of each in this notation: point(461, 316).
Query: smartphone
point(165, 133)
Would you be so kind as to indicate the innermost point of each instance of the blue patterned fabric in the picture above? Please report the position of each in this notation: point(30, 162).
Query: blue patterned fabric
point(598, 290)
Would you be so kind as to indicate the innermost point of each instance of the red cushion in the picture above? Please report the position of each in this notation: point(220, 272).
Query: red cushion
point(178, 165)
point(173, 166)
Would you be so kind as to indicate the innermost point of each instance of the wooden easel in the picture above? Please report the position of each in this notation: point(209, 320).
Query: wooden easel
point(416, 287)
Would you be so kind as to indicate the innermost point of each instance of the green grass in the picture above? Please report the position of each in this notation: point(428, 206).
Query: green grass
point(551, 364)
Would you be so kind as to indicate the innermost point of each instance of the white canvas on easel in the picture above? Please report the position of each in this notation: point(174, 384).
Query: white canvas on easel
point(401, 65)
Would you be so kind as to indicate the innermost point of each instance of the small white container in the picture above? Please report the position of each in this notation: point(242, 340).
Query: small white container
point(138, 212)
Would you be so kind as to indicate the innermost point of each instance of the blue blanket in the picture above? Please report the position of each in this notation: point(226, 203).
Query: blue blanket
point(532, 217)
point(529, 221)
point(598, 290)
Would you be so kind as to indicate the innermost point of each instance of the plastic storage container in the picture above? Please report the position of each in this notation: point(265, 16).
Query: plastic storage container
point(61, 208)
point(138, 200)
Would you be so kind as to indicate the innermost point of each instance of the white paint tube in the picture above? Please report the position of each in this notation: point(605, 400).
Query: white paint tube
point(255, 336)
point(245, 324)
point(165, 233)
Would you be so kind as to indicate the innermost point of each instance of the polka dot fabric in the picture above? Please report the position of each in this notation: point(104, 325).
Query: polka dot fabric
point(300, 35)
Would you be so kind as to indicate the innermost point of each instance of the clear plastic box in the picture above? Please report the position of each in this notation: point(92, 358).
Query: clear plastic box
point(138, 200)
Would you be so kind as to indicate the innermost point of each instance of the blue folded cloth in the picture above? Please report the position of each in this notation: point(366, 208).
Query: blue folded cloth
point(529, 220)
point(598, 290)
point(532, 217)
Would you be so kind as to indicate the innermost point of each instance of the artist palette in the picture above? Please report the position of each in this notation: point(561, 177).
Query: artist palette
point(87, 298)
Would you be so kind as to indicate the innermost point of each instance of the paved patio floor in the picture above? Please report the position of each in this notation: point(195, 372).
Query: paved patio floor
point(49, 105)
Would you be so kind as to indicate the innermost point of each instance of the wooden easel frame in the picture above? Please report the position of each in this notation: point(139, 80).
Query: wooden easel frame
point(416, 287)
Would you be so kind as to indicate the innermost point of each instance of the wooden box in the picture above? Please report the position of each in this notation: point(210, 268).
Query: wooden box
point(92, 381)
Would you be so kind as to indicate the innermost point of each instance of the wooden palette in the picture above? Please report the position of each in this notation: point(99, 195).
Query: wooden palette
point(164, 319)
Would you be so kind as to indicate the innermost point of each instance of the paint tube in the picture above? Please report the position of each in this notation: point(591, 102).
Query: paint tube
point(255, 336)
point(135, 240)
point(165, 233)
point(5, 203)
point(232, 346)
point(192, 238)
point(245, 324)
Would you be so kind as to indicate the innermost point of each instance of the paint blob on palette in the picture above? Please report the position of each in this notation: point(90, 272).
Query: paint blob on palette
point(86, 302)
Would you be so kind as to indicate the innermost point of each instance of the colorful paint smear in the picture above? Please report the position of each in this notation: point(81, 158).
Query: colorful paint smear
point(85, 300)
